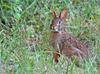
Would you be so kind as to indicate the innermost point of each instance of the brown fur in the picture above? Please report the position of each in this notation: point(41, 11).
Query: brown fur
point(63, 42)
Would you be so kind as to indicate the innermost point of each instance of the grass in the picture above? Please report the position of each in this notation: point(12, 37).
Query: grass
point(24, 35)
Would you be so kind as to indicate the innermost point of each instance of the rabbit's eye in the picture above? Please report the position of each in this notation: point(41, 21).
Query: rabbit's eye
point(59, 22)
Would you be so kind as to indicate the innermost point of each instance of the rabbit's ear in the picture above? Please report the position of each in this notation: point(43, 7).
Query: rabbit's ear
point(54, 14)
point(63, 14)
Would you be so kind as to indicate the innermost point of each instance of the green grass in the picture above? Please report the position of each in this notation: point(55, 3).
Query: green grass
point(24, 35)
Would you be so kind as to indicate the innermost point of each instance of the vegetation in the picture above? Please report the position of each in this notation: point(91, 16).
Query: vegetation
point(24, 35)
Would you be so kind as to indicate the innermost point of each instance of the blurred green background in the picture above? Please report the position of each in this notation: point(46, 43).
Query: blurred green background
point(24, 35)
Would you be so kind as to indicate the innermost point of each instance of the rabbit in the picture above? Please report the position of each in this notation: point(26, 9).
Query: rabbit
point(63, 42)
